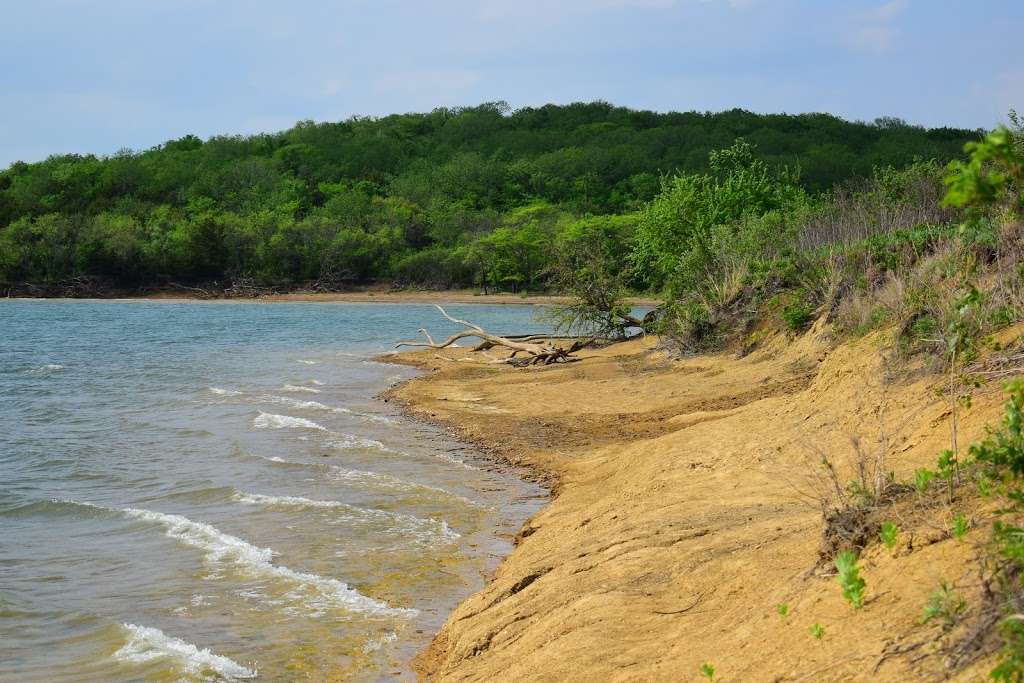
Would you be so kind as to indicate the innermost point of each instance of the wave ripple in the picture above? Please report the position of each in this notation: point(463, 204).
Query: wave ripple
point(220, 547)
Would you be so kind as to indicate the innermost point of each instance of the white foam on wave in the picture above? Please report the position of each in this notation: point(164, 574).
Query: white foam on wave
point(298, 390)
point(291, 501)
point(448, 457)
point(224, 392)
point(298, 403)
point(305, 362)
point(370, 480)
point(44, 369)
point(409, 526)
point(390, 483)
point(316, 382)
point(348, 441)
point(316, 405)
point(221, 548)
point(275, 421)
point(145, 644)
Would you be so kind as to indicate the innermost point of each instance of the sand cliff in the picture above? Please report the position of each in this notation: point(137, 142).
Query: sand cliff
point(683, 515)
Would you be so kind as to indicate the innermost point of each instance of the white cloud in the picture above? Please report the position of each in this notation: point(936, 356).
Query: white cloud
point(891, 10)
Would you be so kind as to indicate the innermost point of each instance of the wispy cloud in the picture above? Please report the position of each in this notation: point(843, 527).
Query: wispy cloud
point(875, 32)
point(891, 10)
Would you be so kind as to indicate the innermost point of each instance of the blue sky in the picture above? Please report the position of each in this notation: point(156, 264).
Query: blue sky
point(101, 75)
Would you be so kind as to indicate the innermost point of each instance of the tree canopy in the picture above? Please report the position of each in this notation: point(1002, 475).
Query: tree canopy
point(474, 195)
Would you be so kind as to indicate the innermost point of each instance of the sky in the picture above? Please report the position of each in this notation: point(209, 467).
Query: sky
point(97, 76)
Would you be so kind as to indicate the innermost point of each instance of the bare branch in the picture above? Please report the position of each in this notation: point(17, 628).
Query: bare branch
point(539, 352)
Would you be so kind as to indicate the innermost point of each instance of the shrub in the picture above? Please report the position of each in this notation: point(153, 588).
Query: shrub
point(1001, 458)
point(797, 314)
point(675, 245)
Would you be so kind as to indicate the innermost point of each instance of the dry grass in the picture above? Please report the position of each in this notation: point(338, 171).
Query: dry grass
point(861, 209)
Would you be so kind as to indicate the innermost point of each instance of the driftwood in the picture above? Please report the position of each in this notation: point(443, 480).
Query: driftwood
point(539, 349)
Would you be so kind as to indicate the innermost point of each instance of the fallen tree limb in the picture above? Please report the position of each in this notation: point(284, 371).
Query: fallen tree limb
point(543, 351)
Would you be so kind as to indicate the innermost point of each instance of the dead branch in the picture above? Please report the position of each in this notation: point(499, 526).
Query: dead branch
point(540, 352)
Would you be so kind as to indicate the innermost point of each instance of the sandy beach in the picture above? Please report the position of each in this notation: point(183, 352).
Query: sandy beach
point(683, 515)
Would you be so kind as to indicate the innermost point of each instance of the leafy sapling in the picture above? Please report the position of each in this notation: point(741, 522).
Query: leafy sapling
point(890, 533)
point(782, 609)
point(947, 469)
point(707, 670)
point(849, 579)
point(817, 630)
point(944, 606)
point(960, 526)
point(923, 479)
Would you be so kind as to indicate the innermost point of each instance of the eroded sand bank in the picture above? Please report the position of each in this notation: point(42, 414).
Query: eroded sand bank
point(681, 517)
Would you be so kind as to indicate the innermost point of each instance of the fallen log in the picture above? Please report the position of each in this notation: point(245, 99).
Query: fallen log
point(543, 351)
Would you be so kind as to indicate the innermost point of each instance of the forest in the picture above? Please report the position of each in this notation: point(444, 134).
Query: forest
point(484, 196)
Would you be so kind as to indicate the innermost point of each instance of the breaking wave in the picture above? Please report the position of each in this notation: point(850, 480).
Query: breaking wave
point(297, 389)
point(412, 527)
point(317, 591)
point(145, 644)
point(274, 421)
point(316, 405)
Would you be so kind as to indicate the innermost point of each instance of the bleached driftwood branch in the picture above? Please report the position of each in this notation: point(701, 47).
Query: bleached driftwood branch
point(538, 352)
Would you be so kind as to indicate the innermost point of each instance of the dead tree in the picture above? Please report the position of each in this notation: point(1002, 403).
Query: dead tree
point(538, 351)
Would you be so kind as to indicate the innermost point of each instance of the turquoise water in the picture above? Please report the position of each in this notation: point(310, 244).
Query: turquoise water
point(209, 491)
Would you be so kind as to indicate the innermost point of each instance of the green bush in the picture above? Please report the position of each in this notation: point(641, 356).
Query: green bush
point(1000, 456)
point(797, 314)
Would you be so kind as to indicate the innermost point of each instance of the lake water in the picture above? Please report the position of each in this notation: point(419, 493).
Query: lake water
point(209, 491)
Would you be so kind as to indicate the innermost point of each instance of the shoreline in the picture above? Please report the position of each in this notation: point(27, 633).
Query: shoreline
point(490, 459)
point(500, 456)
point(673, 532)
point(362, 297)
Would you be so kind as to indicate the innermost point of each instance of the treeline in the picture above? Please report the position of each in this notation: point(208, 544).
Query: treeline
point(469, 196)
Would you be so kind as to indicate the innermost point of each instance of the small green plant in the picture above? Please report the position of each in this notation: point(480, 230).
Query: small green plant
point(817, 630)
point(946, 465)
point(797, 315)
point(1011, 667)
point(923, 479)
point(707, 670)
point(782, 609)
point(850, 579)
point(944, 606)
point(889, 534)
point(960, 526)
